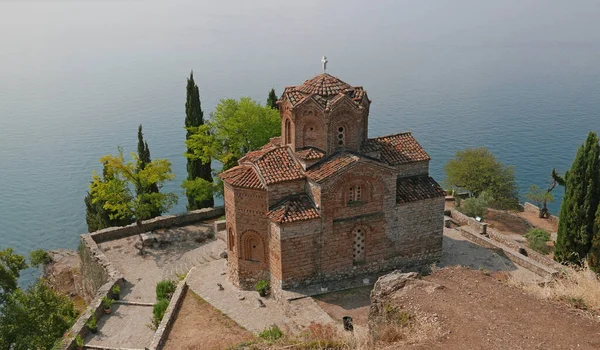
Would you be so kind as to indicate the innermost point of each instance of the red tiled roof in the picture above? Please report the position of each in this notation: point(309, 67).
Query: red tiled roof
point(295, 208)
point(396, 149)
point(242, 176)
point(416, 188)
point(310, 153)
point(323, 85)
point(276, 165)
point(324, 88)
point(254, 155)
point(331, 166)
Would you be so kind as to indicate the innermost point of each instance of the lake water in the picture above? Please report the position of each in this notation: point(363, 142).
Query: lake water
point(76, 78)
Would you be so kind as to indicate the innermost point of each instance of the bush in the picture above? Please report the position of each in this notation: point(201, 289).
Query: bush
point(475, 206)
point(158, 311)
point(116, 290)
point(165, 289)
point(271, 333)
point(79, 341)
point(107, 302)
point(39, 257)
point(536, 239)
point(262, 286)
point(92, 323)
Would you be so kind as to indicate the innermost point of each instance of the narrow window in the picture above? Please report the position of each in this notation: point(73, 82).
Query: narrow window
point(231, 240)
point(358, 195)
point(358, 245)
point(341, 137)
point(351, 194)
point(288, 132)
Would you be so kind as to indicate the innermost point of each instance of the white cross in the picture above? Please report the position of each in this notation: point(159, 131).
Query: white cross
point(324, 61)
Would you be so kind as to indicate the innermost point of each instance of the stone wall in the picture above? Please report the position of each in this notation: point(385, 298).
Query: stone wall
point(531, 208)
point(461, 218)
point(165, 221)
point(164, 328)
point(96, 269)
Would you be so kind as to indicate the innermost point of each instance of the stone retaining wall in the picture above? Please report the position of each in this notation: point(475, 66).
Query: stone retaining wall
point(162, 332)
point(531, 208)
point(511, 254)
point(112, 233)
point(461, 218)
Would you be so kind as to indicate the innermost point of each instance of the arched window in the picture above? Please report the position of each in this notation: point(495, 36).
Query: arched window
point(253, 248)
point(288, 132)
point(231, 240)
point(341, 139)
point(355, 193)
point(358, 237)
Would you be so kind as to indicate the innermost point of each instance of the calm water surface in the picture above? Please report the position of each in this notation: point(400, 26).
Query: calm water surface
point(76, 78)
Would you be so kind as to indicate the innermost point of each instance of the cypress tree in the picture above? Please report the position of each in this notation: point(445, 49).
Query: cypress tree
point(580, 204)
point(272, 99)
point(194, 117)
point(143, 160)
point(594, 253)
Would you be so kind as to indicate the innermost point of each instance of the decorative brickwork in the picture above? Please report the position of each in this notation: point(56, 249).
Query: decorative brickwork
point(324, 202)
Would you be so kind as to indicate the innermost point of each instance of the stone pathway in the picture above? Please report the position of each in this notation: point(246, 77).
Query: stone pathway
point(243, 306)
point(128, 326)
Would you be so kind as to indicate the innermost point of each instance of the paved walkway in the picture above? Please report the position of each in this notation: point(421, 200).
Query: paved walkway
point(243, 306)
point(129, 326)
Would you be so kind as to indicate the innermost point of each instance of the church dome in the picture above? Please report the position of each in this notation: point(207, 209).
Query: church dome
point(323, 85)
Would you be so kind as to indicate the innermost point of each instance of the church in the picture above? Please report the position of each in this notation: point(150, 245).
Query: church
point(325, 202)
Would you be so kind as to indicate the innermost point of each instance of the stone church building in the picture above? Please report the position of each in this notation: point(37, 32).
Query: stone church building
point(324, 201)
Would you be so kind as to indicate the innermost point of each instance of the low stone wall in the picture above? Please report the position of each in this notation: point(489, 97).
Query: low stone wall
point(531, 208)
point(511, 254)
point(96, 269)
point(94, 308)
point(112, 233)
point(162, 332)
point(461, 218)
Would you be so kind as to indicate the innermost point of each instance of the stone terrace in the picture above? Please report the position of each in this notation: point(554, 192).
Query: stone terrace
point(174, 252)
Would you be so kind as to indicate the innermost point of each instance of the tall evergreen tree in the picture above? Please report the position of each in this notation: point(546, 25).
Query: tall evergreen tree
point(143, 160)
point(272, 99)
point(580, 204)
point(197, 169)
point(594, 253)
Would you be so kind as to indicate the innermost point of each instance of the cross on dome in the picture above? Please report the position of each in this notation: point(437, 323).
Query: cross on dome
point(324, 61)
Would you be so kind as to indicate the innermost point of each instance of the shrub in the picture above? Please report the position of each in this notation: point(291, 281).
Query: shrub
point(165, 289)
point(39, 257)
point(158, 311)
point(92, 323)
point(262, 286)
point(107, 302)
point(271, 333)
point(79, 341)
point(475, 206)
point(536, 239)
point(116, 290)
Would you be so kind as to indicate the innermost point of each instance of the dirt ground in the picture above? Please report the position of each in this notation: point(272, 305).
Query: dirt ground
point(200, 326)
point(475, 311)
point(507, 222)
point(354, 303)
point(538, 222)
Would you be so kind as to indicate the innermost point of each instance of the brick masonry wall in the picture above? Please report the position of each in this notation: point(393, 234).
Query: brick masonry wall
point(417, 227)
point(279, 191)
point(249, 208)
point(413, 169)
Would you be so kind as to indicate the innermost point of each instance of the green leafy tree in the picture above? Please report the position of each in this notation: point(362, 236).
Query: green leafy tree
point(35, 318)
point(118, 193)
point(272, 99)
point(540, 197)
point(235, 128)
point(198, 184)
point(11, 265)
point(476, 206)
point(96, 216)
point(477, 170)
point(39, 257)
point(143, 160)
point(580, 204)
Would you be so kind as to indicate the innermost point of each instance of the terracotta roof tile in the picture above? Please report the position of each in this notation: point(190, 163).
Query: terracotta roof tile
point(295, 208)
point(416, 188)
point(396, 149)
point(323, 85)
point(310, 153)
point(254, 155)
point(324, 88)
point(331, 166)
point(276, 165)
point(242, 176)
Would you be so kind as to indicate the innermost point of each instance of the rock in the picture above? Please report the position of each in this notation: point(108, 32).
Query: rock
point(241, 297)
point(260, 303)
point(223, 255)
